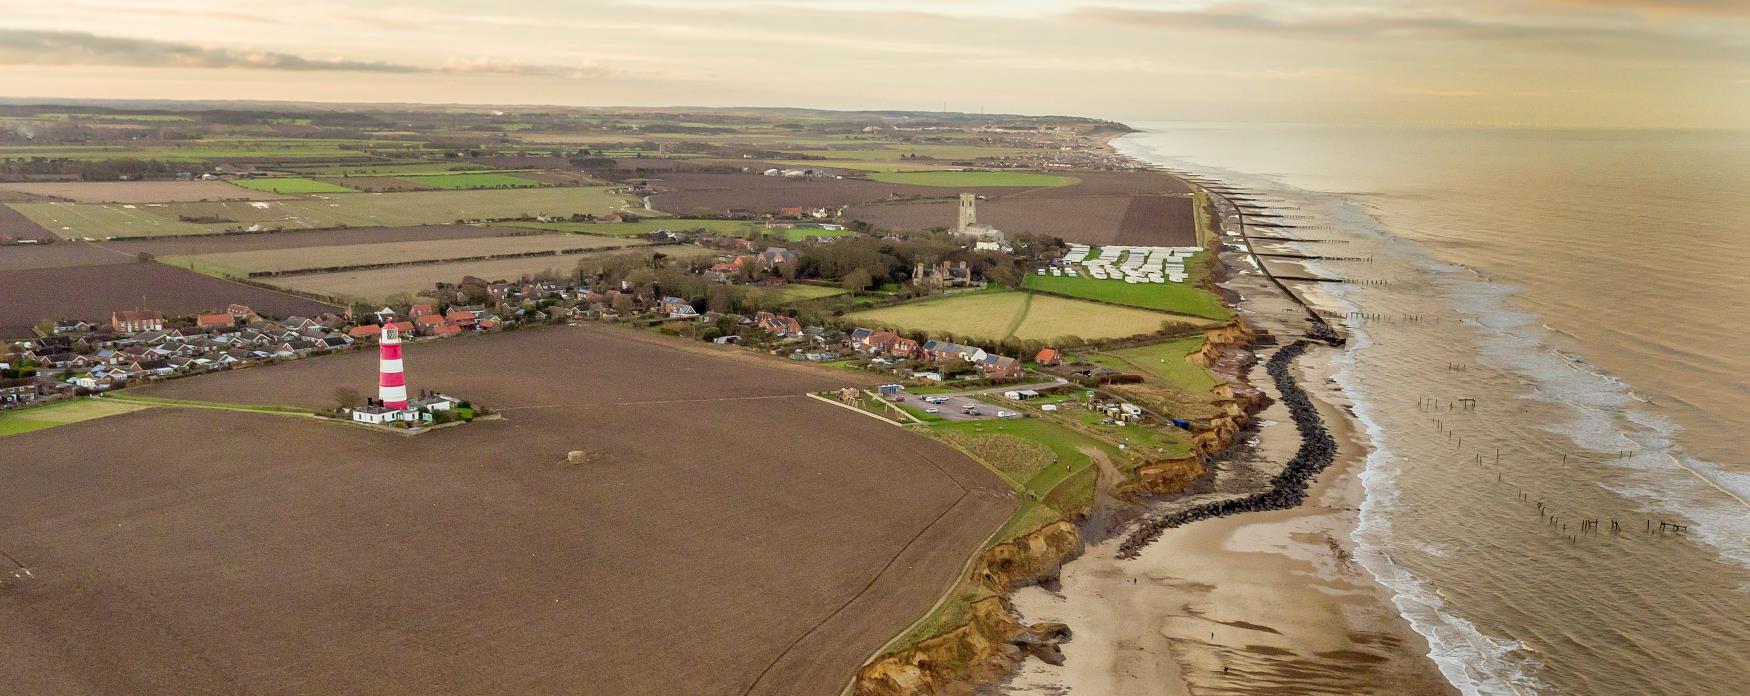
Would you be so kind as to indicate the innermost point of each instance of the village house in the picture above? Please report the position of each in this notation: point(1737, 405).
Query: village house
point(775, 257)
point(129, 321)
point(427, 325)
point(70, 326)
point(364, 331)
point(461, 318)
point(871, 342)
point(215, 321)
point(777, 324)
point(943, 351)
point(942, 275)
point(726, 271)
point(20, 391)
point(1048, 357)
point(1000, 367)
point(677, 308)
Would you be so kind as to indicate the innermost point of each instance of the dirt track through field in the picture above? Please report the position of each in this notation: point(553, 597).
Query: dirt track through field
point(727, 537)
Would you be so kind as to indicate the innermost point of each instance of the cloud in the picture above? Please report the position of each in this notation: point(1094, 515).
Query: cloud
point(1560, 38)
point(1666, 7)
point(492, 66)
point(26, 47)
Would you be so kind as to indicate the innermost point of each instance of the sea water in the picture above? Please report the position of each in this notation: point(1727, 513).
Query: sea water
point(1549, 316)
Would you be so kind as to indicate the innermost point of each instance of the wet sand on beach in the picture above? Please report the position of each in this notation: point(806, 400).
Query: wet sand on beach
point(1257, 603)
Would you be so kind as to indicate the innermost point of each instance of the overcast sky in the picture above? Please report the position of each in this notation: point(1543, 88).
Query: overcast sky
point(1680, 63)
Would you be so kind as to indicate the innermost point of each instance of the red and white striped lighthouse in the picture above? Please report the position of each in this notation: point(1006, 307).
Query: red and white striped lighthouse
point(391, 383)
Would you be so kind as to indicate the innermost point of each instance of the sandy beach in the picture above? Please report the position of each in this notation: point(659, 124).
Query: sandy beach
point(1257, 603)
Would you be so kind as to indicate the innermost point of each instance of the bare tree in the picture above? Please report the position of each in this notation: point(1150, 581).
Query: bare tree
point(347, 397)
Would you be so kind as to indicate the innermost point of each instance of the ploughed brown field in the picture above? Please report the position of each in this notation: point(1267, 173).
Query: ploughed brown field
point(68, 253)
point(18, 257)
point(728, 536)
point(1141, 208)
point(687, 192)
point(93, 292)
point(14, 225)
point(295, 239)
point(7, 196)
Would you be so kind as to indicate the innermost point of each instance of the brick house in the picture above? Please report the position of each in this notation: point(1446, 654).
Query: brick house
point(777, 324)
point(428, 325)
point(998, 366)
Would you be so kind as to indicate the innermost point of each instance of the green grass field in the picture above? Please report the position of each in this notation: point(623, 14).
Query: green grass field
point(889, 152)
point(733, 228)
point(473, 181)
point(324, 210)
point(791, 293)
point(132, 399)
point(388, 168)
point(1167, 361)
point(62, 413)
point(798, 233)
point(291, 185)
point(217, 148)
point(1180, 298)
point(975, 179)
point(1036, 457)
point(995, 315)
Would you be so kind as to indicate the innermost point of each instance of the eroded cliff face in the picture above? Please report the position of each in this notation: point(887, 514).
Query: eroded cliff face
point(1221, 341)
point(1164, 477)
point(956, 662)
point(992, 642)
point(1029, 558)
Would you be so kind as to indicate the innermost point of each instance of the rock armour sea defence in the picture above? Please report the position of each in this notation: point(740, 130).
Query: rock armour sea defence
point(1287, 489)
point(992, 642)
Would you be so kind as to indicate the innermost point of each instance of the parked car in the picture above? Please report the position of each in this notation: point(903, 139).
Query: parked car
point(932, 409)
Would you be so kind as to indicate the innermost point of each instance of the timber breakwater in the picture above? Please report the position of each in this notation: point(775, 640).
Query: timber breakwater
point(1288, 488)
